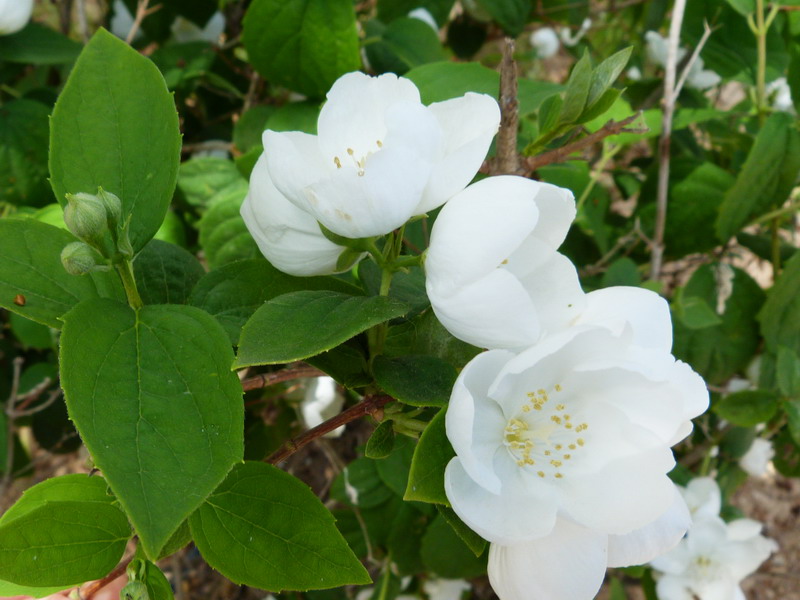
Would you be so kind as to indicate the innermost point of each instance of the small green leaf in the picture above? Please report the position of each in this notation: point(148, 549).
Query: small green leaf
point(405, 540)
point(403, 44)
point(788, 372)
point(115, 126)
point(233, 292)
point(304, 45)
point(166, 273)
point(251, 124)
point(748, 408)
point(359, 484)
point(577, 90)
point(780, 315)
point(153, 397)
point(433, 452)
point(416, 380)
point(511, 15)
point(445, 553)
point(320, 320)
point(394, 469)
point(223, 235)
point(264, 528)
point(605, 74)
point(473, 541)
point(381, 442)
point(202, 178)
point(694, 312)
point(33, 282)
point(548, 114)
point(601, 106)
point(62, 543)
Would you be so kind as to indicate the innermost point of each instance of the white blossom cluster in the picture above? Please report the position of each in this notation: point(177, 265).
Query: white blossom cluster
point(715, 556)
point(563, 428)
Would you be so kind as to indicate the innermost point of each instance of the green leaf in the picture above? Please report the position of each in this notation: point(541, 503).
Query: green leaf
point(381, 442)
point(605, 74)
point(38, 45)
point(743, 7)
point(248, 129)
point(788, 372)
point(601, 106)
point(405, 540)
point(426, 335)
point(359, 484)
point(445, 554)
point(780, 316)
point(200, 179)
point(320, 320)
point(622, 271)
point(444, 80)
point(153, 397)
point(748, 408)
point(266, 529)
point(146, 577)
point(473, 541)
point(787, 454)
point(511, 15)
point(62, 543)
point(115, 126)
point(766, 178)
point(75, 487)
point(233, 292)
point(179, 539)
point(223, 234)
point(394, 469)
point(295, 116)
point(792, 410)
point(577, 90)
point(415, 380)
point(304, 45)
point(166, 273)
point(33, 282)
point(12, 589)
point(403, 44)
point(694, 312)
point(23, 152)
point(433, 452)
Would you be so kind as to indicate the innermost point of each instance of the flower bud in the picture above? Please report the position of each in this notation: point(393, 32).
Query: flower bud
point(85, 216)
point(113, 206)
point(78, 258)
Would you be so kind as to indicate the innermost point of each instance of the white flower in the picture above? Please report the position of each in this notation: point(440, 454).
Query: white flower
point(781, 95)
point(446, 589)
point(322, 401)
point(122, 21)
point(288, 237)
point(756, 460)
point(700, 78)
point(380, 155)
point(572, 40)
point(697, 78)
point(634, 73)
point(545, 41)
point(14, 15)
point(712, 559)
point(422, 14)
point(493, 275)
point(703, 498)
point(562, 450)
point(183, 30)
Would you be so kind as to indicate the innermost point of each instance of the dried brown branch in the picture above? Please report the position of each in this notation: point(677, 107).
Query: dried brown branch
point(507, 160)
point(95, 586)
point(267, 379)
point(371, 405)
point(561, 154)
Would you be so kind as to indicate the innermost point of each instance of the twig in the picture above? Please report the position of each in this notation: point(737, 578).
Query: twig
point(507, 160)
point(8, 475)
point(560, 154)
point(83, 27)
point(371, 405)
point(267, 379)
point(141, 12)
point(207, 146)
point(54, 395)
point(692, 59)
point(64, 15)
point(657, 255)
point(95, 586)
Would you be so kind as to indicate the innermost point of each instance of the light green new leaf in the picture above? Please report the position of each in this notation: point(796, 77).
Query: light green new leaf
point(577, 90)
point(33, 282)
point(605, 74)
point(153, 397)
point(304, 45)
point(62, 543)
point(264, 528)
point(416, 380)
point(433, 452)
point(115, 126)
point(320, 321)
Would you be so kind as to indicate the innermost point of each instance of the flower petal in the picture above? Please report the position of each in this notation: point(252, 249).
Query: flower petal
point(568, 564)
point(556, 213)
point(503, 518)
point(468, 124)
point(294, 163)
point(654, 539)
point(703, 497)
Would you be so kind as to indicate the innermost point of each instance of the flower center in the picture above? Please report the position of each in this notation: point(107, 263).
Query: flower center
point(359, 163)
point(544, 437)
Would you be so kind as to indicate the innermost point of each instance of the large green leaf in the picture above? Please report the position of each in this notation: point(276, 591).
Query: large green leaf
point(62, 543)
point(304, 45)
point(416, 380)
point(38, 45)
point(748, 407)
point(319, 321)
point(166, 273)
point(780, 316)
point(766, 178)
point(153, 397)
point(433, 452)
point(23, 152)
point(403, 44)
point(264, 528)
point(8, 589)
point(33, 282)
point(233, 292)
point(202, 178)
point(447, 555)
point(115, 126)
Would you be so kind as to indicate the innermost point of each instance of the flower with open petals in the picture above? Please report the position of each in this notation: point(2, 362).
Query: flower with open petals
point(757, 458)
point(562, 451)
point(322, 401)
point(493, 275)
point(14, 15)
point(288, 237)
point(381, 156)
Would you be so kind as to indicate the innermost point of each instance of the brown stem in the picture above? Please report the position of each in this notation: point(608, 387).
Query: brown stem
point(142, 11)
point(507, 160)
point(267, 379)
point(368, 406)
point(95, 586)
point(560, 154)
